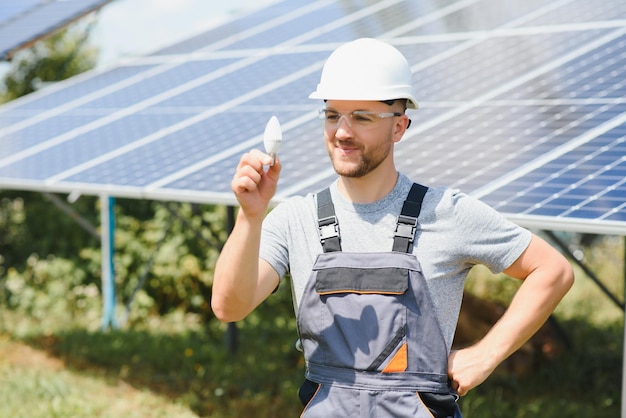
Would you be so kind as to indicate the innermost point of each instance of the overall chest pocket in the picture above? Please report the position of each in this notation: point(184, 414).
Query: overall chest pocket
point(361, 316)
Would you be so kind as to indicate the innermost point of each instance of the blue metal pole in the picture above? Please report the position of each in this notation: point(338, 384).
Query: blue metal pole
point(107, 217)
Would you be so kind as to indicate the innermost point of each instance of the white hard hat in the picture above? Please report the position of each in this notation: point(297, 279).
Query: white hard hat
point(366, 69)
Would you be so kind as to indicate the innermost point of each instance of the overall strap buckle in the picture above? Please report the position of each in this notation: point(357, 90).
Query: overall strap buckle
point(406, 227)
point(407, 220)
point(328, 226)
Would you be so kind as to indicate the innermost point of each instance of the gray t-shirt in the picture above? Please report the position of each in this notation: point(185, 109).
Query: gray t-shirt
point(455, 232)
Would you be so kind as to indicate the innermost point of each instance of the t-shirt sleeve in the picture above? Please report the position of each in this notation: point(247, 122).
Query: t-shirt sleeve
point(485, 235)
point(274, 239)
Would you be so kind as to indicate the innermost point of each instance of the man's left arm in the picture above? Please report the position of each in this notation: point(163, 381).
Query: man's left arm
point(547, 277)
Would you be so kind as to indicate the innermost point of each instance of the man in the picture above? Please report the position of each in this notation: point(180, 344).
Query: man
point(378, 263)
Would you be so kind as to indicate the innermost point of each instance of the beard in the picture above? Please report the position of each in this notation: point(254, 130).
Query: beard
point(363, 162)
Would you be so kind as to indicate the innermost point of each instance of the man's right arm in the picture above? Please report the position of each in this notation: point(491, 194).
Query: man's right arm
point(242, 280)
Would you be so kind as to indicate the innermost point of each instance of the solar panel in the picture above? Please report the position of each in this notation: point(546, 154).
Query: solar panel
point(10, 10)
point(24, 21)
point(521, 104)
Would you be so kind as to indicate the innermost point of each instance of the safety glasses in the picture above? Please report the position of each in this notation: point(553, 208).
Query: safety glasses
point(359, 119)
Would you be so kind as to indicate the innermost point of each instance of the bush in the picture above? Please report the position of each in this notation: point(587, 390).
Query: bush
point(51, 291)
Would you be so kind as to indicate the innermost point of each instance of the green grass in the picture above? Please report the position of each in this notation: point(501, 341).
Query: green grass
point(175, 366)
point(34, 385)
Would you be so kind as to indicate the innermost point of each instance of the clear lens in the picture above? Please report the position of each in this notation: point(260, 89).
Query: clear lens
point(357, 119)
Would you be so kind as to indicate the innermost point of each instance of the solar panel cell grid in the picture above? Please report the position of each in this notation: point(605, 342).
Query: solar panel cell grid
point(83, 147)
point(486, 142)
point(176, 151)
point(99, 84)
point(292, 94)
point(150, 86)
point(215, 178)
point(529, 118)
point(228, 85)
point(289, 30)
point(391, 16)
point(15, 9)
point(31, 135)
point(599, 73)
point(231, 30)
point(496, 63)
point(587, 182)
point(580, 11)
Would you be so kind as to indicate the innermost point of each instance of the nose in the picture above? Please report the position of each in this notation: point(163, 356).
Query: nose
point(346, 118)
point(343, 129)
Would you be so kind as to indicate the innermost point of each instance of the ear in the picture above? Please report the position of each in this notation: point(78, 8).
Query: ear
point(400, 127)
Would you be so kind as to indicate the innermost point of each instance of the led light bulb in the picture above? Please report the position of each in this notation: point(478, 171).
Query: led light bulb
point(272, 137)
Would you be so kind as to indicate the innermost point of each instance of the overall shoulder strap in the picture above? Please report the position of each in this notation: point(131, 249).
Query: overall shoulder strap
point(407, 220)
point(327, 222)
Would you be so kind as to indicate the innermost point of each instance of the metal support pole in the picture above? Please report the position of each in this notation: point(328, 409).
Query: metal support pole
point(232, 333)
point(107, 220)
point(69, 211)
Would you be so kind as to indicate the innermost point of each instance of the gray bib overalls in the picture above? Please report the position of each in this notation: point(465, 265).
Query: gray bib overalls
point(372, 343)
